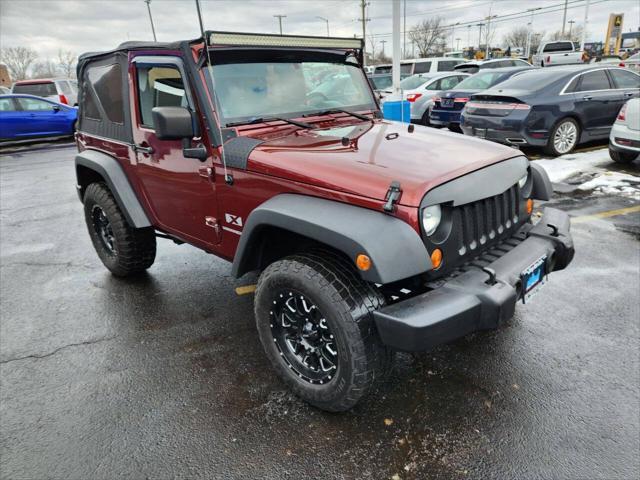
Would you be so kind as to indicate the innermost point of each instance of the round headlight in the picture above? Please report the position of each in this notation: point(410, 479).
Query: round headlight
point(431, 217)
point(523, 181)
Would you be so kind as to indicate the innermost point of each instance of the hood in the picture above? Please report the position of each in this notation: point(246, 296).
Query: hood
point(376, 155)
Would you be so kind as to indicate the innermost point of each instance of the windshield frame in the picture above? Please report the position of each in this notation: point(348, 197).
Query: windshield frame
point(248, 55)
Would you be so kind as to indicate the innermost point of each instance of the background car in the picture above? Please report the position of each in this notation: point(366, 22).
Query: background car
point(382, 83)
point(555, 108)
point(61, 90)
point(449, 104)
point(420, 89)
point(26, 116)
point(624, 139)
point(477, 65)
point(633, 62)
point(607, 59)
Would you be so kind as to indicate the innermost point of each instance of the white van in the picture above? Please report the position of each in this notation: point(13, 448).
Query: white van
point(422, 65)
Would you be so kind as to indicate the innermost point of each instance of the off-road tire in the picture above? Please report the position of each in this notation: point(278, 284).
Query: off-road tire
point(622, 157)
point(135, 248)
point(346, 301)
point(550, 147)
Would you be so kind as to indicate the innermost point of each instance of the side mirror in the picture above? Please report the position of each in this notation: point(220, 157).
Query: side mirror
point(177, 123)
point(172, 123)
point(55, 108)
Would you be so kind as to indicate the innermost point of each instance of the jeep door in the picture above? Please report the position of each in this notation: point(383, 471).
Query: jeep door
point(180, 191)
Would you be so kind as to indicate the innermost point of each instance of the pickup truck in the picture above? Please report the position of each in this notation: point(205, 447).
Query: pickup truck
point(561, 52)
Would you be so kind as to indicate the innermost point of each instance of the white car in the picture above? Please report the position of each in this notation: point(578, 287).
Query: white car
point(624, 140)
point(61, 90)
point(633, 62)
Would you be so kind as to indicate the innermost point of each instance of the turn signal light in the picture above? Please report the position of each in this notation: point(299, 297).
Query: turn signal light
point(363, 262)
point(529, 206)
point(436, 258)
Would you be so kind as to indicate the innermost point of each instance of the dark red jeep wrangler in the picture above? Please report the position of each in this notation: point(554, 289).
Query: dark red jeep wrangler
point(269, 152)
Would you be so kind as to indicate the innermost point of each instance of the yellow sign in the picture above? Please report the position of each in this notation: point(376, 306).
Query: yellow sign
point(614, 34)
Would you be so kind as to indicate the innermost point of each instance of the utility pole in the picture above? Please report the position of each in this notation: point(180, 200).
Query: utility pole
point(479, 34)
point(364, 19)
point(489, 28)
point(457, 44)
point(383, 42)
point(327, 21)
point(280, 17)
point(530, 35)
point(453, 31)
point(404, 31)
point(571, 22)
point(395, 64)
point(564, 17)
point(469, 35)
point(153, 29)
point(584, 27)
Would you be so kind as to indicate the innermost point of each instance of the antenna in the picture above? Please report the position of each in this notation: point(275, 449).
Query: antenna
point(227, 178)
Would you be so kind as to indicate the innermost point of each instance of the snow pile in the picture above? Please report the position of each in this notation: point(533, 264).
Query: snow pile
point(587, 171)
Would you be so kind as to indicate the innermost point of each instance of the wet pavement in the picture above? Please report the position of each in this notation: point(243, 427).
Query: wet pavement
point(164, 376)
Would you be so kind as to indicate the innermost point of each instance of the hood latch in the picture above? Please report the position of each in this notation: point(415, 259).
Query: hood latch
point(393, 194)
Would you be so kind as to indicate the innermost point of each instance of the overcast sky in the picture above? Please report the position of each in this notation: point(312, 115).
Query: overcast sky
point(88, 25)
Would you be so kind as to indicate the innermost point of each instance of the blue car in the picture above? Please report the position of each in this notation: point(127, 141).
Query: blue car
point(449, 104)
point(24, 117)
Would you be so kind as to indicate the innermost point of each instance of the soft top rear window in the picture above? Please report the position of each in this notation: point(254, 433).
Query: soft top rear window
point(43, 89)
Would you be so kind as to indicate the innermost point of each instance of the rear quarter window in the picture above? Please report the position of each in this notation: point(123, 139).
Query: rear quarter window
point(107, 84)
point(625, 79)
point(43, 89)
point(592, 81)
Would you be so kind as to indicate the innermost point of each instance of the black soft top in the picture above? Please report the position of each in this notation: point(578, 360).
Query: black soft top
point(137, 45)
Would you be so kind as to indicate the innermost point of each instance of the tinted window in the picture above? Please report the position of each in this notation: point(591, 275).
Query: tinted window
point(407, 68)
point(447, 65)
point(159, 87)
point(413, 81)
point(572, 87)
point(480, 81)
point(6, 105)
point(34, 105)
point(44, 89)
point(383, 69)
point(558, 47)
point(107, 83)
point(520, 63)
point(625, 79)
point(64, 87)
point(597, 80)
point(447, 83)
point(381, 82)
point(422, 67)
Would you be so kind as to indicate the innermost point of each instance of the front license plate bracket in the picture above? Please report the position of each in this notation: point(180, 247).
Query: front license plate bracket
point(533, 277)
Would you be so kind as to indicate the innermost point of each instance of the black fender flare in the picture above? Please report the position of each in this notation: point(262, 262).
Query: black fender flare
point(395, 248)
point(542, 188)
point(111, 171)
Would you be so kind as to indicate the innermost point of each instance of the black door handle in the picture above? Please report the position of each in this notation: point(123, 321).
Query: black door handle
point(587, 97)
point(629, 94)
point(143, 149)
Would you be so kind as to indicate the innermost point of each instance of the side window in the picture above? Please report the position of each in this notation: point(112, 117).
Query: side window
point(34, 105)
point(448, 83)
point(447, 65)
point(597, 80)
point(6, 105)
point(64, 87)
point(159, 86)
point(573, 85)
point(625, 78)
point(107, 83)
point(422, 67)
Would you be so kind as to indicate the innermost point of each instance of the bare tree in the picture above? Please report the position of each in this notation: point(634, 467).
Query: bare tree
point(45, 69)
point(372, 51)
point(67, 63)
point(576, 34)
point(428, 36)
point(517, 37)
point(18, 60)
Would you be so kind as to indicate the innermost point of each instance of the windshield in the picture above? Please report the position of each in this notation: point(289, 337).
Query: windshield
point(480, 81)
point(414, 82)
point(288, 88)
point(381, 82)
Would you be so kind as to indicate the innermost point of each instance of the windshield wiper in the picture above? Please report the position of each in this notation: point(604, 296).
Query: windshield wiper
point(270, 119)
point(339, 110)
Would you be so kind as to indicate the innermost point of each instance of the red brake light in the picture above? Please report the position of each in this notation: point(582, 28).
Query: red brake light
point(548, 59)
point(521, 106)
point(621, 116)
point(63, 99)
point(621, 64)
point(412, 97)
point(462, 100)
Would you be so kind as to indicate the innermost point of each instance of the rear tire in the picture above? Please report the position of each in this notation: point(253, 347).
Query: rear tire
point(322, 295)
point(454, 128)
point(564, 137)
point(622, 157)
point(124, 250)
point(425, 119)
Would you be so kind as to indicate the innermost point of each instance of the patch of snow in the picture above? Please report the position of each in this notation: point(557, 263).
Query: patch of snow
point(613, 183)
point(566, 166)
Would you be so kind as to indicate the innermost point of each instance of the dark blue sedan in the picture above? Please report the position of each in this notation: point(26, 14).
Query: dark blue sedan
point(555, 108)
point(449, 104)
point(24, 117)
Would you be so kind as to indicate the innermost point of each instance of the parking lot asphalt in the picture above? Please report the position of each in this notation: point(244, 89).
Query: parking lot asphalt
point(164, 377)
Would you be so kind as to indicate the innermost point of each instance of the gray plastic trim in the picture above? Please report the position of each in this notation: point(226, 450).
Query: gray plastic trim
point(487, 182)
point(542, 188)
point(238, 149)
point(109, 169)
point(396, 249)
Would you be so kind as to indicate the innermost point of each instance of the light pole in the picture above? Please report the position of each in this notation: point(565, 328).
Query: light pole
point(280, 17)
point(532, 10)
point(489, 28)
point(480, 25)
point(570, 22)
point(584, 27)
point(453, 31)
point(326, 20)
point(469, 35)
point(153, 29)
point(564, 17)
point(383, 42)
point(457, 44)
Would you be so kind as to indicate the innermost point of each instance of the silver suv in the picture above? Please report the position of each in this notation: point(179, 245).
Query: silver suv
point(61, 90)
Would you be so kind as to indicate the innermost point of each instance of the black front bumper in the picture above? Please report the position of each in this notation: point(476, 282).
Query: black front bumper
point(473, 300)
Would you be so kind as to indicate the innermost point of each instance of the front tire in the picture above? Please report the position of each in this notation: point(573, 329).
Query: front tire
point(622, 157)
point(564, 137)
point(124, 250)
point(313, 314)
